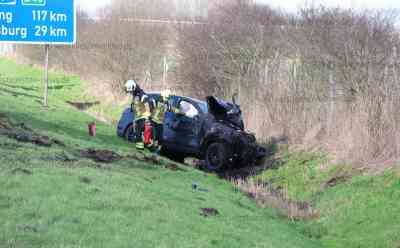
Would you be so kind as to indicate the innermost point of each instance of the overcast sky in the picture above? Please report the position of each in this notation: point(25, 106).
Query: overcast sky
point(291, 5)
point(92, 5)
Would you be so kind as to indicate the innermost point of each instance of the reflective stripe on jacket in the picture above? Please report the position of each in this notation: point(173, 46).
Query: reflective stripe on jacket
point(142, 109)
point(159, 112)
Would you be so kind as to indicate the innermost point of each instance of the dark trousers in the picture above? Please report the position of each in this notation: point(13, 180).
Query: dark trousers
point(139, 130)
point(158, 132)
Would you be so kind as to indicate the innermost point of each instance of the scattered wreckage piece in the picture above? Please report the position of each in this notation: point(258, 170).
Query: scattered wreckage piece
point(101, 156)
point(209, 212)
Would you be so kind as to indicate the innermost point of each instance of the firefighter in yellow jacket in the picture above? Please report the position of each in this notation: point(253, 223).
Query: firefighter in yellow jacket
point(157, 116)
point(142, 112)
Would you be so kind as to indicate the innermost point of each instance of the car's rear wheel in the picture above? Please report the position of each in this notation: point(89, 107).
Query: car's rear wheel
point(216, 156)
point(129, 134)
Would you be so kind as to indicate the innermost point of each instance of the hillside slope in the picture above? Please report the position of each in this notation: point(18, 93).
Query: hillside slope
point(52, 195)
point(357, 207)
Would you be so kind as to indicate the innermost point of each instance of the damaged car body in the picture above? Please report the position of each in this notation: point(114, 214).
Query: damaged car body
point(212, 131)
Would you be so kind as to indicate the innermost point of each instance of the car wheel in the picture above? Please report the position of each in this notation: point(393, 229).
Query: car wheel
point(216, 157)
point(129, 134)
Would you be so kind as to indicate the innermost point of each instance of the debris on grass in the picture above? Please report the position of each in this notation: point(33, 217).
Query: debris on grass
point(193, 162)
point(58, 142)
point(101, 156)
point(209, 212)
point(28, 228)
point(31, 138)
point(21, 171)
point(196, 187)
point(85, 180)
point(154, 159)
point(147, 180)
point(201, 199)
point(4, 125)
point(173, 167)
point(336, 180)
point(148, 158)
point(22, 133)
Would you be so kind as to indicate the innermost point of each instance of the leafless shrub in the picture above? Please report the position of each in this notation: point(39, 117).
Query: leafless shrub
point(325, 78)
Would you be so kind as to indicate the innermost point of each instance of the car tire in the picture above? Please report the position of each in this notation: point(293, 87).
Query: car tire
point(262, 155)
point(216, 157)
point(129, 134)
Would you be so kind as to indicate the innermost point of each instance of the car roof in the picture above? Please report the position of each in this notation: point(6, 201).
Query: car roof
point(203, 104)
point(185, 97)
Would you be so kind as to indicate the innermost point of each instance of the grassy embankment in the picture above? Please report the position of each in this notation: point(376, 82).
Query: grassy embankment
point(357, 208)
point(52, 197)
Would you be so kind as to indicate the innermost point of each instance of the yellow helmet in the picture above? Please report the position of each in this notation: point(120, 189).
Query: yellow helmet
point(165, 94)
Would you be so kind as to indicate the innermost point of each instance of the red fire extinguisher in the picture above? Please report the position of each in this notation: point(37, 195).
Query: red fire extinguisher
point(92, 129)
point(148, 134)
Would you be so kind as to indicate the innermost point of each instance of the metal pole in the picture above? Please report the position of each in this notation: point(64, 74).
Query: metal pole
point(46, 75)
point(396, 78)
point(165, 72)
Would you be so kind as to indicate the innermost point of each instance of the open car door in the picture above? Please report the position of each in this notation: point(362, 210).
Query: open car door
point(182, 127)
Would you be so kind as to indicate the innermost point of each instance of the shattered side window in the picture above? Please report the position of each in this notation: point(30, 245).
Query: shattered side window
point(203, 107)
point(188, 109)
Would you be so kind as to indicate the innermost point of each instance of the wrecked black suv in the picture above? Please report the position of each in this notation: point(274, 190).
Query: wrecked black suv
point(212, 131)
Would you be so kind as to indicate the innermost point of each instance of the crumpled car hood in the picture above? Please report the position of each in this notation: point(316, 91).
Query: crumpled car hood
point(225, 111)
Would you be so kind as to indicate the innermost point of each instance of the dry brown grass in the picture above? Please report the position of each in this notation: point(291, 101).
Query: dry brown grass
point(266, 196)
point(363, 132)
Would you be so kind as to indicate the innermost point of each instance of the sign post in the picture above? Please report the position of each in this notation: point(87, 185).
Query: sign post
point(46, 22)
point(46, 75)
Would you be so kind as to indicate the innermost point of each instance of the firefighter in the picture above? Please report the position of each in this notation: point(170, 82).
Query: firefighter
point(142, 112)
point(157, 117)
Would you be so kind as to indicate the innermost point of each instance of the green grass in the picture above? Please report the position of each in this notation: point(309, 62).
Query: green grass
point(359, 211)
point(21, 94)
point(299, 175)
point(125, 204)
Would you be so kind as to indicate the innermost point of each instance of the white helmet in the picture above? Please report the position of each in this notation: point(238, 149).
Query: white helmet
point(130, 86)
